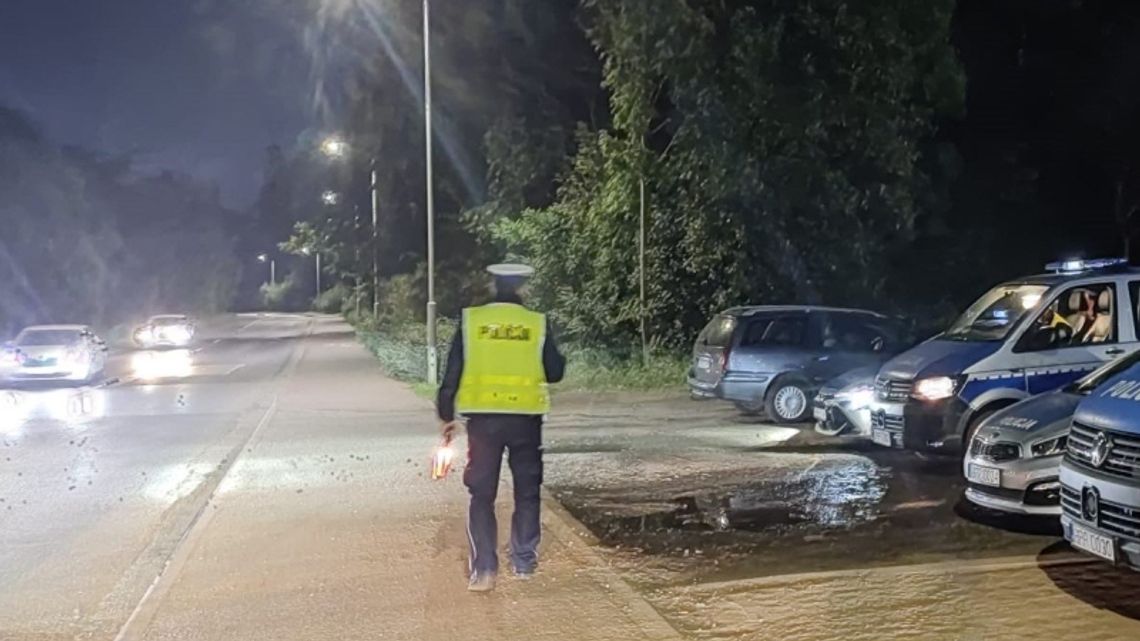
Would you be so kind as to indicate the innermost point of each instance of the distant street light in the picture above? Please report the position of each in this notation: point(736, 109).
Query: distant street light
point(330, 198)
point(264, 258)
point(334, 147)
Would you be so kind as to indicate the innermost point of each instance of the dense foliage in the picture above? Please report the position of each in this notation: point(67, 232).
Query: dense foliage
point(89, 240)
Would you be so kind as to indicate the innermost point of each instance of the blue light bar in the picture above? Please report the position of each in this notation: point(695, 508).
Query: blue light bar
point(1077, 265)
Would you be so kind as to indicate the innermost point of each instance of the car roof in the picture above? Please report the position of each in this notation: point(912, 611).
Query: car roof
point(1051, 279)
point(751, 310)
point(54, 328)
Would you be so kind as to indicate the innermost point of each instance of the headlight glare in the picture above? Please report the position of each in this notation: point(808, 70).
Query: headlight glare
point(934, 389)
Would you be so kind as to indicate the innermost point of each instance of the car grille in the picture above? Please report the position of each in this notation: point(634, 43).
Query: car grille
point(1123, 459)
point(887, 389)
point(1113, 518)
point(996, 452)
point(887, 422)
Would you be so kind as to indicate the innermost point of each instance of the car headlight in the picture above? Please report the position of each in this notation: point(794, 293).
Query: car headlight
point(934, 389)
point(858, 396)
point(144, 335)
point(1051, 447)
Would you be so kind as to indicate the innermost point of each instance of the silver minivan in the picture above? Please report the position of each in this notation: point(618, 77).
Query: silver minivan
point(772, 359)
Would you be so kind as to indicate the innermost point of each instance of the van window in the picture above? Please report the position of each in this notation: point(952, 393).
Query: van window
point(718, 333)
point(1134, 289)
point(857, 333)
point(1080, 315)
point(781, 330)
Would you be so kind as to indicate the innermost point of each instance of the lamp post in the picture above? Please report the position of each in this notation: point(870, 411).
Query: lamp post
point(432, 369)
point(264, 258)
point(335, 148)
point(309, 252)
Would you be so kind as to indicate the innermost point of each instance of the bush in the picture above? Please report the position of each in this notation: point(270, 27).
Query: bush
point(401, 348)
point(334, 300)
point(276, 296)
point(590, 368)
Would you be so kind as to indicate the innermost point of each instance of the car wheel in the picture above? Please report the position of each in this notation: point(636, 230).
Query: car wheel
point(749, 408)
point(788, 401)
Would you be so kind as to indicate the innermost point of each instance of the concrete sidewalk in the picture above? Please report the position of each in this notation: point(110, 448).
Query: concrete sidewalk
point(326, 527)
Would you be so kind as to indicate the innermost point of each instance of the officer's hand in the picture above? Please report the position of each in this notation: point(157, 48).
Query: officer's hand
point(449, 429)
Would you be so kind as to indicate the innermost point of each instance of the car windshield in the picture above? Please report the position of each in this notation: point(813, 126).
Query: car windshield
point(992, 316)
point(43, 337)
point(1086, 385)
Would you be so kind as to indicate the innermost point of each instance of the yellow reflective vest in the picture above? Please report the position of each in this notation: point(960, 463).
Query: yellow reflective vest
point(502, 361)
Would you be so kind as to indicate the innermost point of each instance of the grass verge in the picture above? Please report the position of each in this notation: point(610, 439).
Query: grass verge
point(400, 349)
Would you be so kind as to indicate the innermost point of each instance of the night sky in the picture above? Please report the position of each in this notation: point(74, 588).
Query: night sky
point(200, 86)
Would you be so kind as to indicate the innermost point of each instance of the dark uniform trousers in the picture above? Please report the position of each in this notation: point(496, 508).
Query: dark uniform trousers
point(487, 436)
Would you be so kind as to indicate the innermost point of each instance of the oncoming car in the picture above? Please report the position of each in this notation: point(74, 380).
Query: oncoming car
point(168, 330)
point(57, 352)
point(773, 359)
point(1021, 338)
point(1014, 459)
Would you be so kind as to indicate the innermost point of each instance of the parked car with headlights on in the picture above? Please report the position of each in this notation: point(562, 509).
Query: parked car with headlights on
point(1021, 338)
point(843, 405)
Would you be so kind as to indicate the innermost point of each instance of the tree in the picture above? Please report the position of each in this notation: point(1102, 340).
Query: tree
point(781, 141)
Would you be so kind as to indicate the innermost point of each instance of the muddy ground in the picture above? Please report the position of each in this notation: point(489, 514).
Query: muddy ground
point(684, 491)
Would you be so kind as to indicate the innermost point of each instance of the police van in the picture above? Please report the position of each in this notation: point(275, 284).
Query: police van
point(1100, 474)
point(1021, 338)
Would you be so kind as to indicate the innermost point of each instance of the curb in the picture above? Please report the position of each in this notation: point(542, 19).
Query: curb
point(564, 526)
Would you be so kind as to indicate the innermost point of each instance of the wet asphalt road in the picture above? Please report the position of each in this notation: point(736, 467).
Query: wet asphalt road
point(97, 482)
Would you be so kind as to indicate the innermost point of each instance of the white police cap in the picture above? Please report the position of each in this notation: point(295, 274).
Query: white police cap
point(510, 270)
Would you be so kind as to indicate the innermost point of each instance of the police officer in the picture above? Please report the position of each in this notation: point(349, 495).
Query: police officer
point(500, 362)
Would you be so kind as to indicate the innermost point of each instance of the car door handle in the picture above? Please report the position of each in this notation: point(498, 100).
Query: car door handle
point(1115, 351)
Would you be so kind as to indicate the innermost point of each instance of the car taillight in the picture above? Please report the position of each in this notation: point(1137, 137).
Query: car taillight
point(724, 360)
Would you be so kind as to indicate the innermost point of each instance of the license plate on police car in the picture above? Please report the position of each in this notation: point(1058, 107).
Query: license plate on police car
point(1093, 543)
point(983, 475)
point(881, 437)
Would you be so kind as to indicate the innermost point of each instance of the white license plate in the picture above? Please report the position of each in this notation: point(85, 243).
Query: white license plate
point(704, 362)
point(881, 437)
point(819, 414)
point(1093, 543)
point(983, 475)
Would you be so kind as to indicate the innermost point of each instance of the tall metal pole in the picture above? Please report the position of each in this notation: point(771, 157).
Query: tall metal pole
point(272, 271)
point(432, 373)
point(375, 241)
point(318, 273)
point(641, 274)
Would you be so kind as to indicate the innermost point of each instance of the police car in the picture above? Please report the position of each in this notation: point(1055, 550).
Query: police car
point(1015, 457)
point(1100, 474)
point(1021, 338)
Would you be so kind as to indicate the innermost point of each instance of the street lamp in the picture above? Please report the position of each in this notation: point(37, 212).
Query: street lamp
point(330, 198)
point(264, 258)
point(334, 147)
point(431, 339)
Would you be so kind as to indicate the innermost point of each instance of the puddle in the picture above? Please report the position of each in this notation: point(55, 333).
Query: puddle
point(831, 496)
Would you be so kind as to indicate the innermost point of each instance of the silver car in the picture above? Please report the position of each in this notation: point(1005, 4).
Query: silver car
point(1013, 462)
point(843, 405)
point(55, 352)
